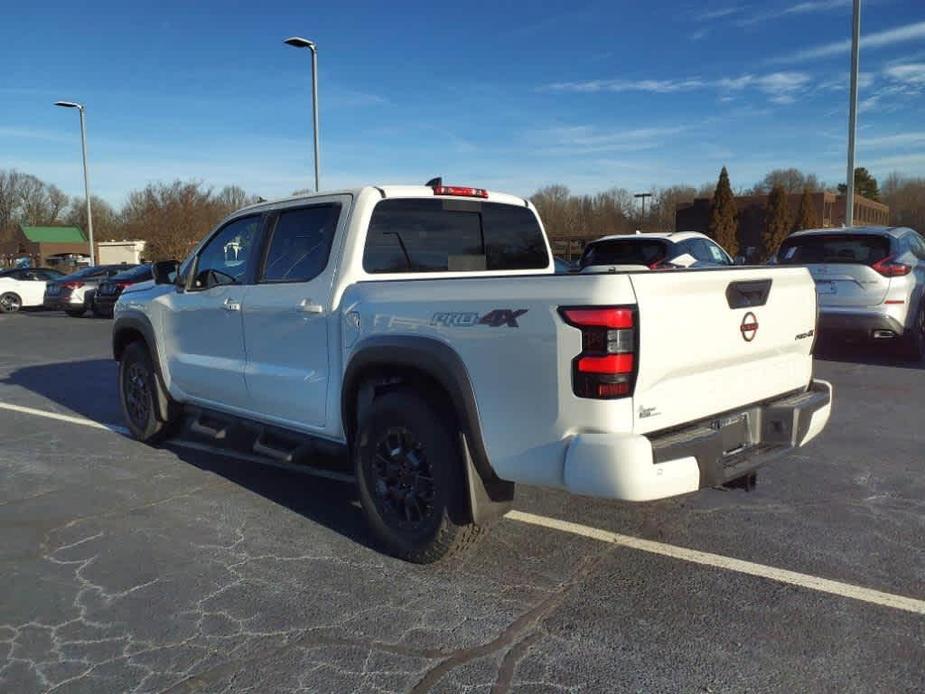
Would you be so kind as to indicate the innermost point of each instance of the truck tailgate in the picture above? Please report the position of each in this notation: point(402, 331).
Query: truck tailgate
point(711, 341)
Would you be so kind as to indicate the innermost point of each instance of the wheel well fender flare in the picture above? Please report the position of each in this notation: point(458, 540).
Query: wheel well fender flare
point(402, 356)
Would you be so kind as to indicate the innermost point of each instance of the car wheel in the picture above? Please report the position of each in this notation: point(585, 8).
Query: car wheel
point(10, 302)
point(915, 340)
point(140, 392)
point(75, 312)
point(411, 479)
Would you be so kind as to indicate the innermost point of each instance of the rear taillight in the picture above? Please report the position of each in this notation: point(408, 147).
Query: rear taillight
point(123, 285)
point(461, 191)
point(606, 367)
point(888, 267)
point(73, 285)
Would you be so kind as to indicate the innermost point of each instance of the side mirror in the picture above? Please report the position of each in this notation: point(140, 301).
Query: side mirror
point(739, 260)
point(165, 271)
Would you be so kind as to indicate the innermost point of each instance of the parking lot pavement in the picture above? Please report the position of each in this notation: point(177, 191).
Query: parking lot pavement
point(129, 568)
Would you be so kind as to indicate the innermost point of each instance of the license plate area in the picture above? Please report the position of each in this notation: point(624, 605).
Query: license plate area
point(735, 433)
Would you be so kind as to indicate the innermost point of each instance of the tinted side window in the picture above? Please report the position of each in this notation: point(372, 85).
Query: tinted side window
point(301, 244)
point(452, 236)
point(225, 259)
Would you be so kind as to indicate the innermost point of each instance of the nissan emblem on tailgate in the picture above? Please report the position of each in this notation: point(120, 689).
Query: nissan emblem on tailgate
point(749, 326)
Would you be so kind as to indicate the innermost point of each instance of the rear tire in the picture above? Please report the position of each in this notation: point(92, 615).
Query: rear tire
point(411, 480)
point(140, 391)
point(75, 312)
point(10, 302)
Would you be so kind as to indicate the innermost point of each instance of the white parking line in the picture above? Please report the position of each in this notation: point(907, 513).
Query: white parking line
point(83, 421)
point(823, 585)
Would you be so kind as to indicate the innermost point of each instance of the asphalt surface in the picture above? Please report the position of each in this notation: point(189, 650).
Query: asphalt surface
point(129, 568)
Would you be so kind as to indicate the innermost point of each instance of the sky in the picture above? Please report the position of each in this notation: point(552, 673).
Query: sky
point(510, 96)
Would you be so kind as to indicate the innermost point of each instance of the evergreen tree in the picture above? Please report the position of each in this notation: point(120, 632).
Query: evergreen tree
point(864, 184)
point(778, 222)
point(806, 216)
point(724, 216)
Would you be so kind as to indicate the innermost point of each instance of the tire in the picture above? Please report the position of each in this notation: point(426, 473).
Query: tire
point(10, 302)
point(914, 342)
point(405, 445)
point(75, 312)
point(140, 389)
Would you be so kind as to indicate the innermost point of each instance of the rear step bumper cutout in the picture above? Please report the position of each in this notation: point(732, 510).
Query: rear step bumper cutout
point(706, 454)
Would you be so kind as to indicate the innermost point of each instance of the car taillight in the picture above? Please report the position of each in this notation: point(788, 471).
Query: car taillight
point(73, 285)
point(890, 268)
point(461, 191)
point(606, 367)
point(123, 285)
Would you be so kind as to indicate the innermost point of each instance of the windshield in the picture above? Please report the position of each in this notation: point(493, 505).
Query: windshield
point(865, 249)
point(629, 251)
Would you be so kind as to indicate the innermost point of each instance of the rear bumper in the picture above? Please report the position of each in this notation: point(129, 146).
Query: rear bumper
point(860, 322)
point(633, 467)
point(62, 302)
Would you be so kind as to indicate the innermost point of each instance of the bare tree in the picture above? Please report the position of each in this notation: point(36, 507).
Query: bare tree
point(790, 180)
point(906, 198)
point(107, 223)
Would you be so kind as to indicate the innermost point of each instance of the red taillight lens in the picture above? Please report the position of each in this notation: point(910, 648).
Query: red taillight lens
point(890, 268)
point(599, 317)
point(73, 285)
point(461, 191)
point(606, 367)
point(123, 285)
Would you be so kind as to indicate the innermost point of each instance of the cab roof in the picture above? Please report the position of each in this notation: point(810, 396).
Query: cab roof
point(390, 191)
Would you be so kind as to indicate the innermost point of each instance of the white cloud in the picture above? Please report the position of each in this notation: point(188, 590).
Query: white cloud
point(910, 73)
point(720, 13)
point(590, 138)
point(897, 140)
point(889, 37)
point(782, 87)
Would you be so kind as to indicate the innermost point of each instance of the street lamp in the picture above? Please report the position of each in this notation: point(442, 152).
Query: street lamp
point(299, 42)
point(83, 144)
point(643, 196)
point(852, 111)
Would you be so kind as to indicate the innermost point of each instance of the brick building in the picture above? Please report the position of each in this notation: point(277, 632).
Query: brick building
point(44, 246)
point(830, 212)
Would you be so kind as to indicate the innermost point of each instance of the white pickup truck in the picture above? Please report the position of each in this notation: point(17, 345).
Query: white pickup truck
point(420, 333)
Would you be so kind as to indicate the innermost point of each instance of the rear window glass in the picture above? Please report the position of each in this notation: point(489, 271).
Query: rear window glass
point(136, 274)
point(629, 251)
point(452, 236)
point(865, 249)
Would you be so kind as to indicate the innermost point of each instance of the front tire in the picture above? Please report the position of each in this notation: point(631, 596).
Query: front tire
point(140, 391)
point(411, 479)
point(10, 302)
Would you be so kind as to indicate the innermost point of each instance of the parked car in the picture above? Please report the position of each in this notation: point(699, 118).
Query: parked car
point(870, 282)
point(420, 333)
point(24, 287)
point(654, 251)
point(108, 292)
point(73, 293)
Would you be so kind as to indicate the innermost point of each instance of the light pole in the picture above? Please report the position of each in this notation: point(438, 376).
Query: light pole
point(299, 42)
point(643, 196)
point(853, 111)
point(83, 144)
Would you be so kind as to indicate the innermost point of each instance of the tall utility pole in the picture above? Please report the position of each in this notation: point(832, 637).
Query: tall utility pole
point(299, 42)
point(853, 111)
point(83, 145)
point(643, 196)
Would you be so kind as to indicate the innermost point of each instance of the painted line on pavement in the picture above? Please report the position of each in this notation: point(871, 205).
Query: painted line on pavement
point(822, 585)
point(83, 421)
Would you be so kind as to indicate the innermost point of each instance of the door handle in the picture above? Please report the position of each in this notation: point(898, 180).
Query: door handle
point(231, 305)
point(306, 306)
